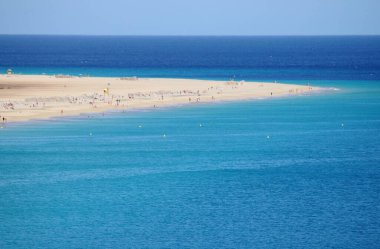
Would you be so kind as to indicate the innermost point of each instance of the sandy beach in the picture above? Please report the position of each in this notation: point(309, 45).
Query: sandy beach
point(26, 97)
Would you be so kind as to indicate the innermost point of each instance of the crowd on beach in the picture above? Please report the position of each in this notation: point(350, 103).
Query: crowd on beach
point(107, 98)
point(101, 99)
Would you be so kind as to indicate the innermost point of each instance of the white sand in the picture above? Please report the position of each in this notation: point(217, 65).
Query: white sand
point(25, 97)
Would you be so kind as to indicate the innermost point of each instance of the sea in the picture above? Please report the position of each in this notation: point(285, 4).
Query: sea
point(290, 172)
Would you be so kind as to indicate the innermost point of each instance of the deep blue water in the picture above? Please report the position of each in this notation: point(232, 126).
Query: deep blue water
point(268, 58)
point(300, 172)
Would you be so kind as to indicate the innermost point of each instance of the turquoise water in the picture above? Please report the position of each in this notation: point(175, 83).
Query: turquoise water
point(300, 172)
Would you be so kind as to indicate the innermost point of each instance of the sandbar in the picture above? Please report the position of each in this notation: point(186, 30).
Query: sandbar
point(28, 97)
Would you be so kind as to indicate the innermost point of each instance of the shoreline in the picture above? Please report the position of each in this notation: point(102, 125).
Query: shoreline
point(39, 97)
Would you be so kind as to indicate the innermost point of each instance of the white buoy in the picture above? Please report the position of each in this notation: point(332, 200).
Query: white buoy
point(200, 125)
point(342, 124)
point(268, 137)
point(164, 135)
point(90, 133)
point(140, 126)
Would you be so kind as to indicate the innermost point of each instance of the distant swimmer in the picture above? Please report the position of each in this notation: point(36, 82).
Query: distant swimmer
point(271, 93)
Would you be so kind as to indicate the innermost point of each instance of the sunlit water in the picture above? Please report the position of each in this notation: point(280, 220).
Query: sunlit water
point(298, 172)
point(291, 172)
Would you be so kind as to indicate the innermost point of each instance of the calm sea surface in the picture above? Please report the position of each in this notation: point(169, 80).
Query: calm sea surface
point(300, 172)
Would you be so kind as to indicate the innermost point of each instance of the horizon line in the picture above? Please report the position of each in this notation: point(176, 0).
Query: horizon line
point(194, 35)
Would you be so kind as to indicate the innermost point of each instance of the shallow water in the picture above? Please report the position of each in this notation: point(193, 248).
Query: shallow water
point(299, 172)
point(277, 173)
